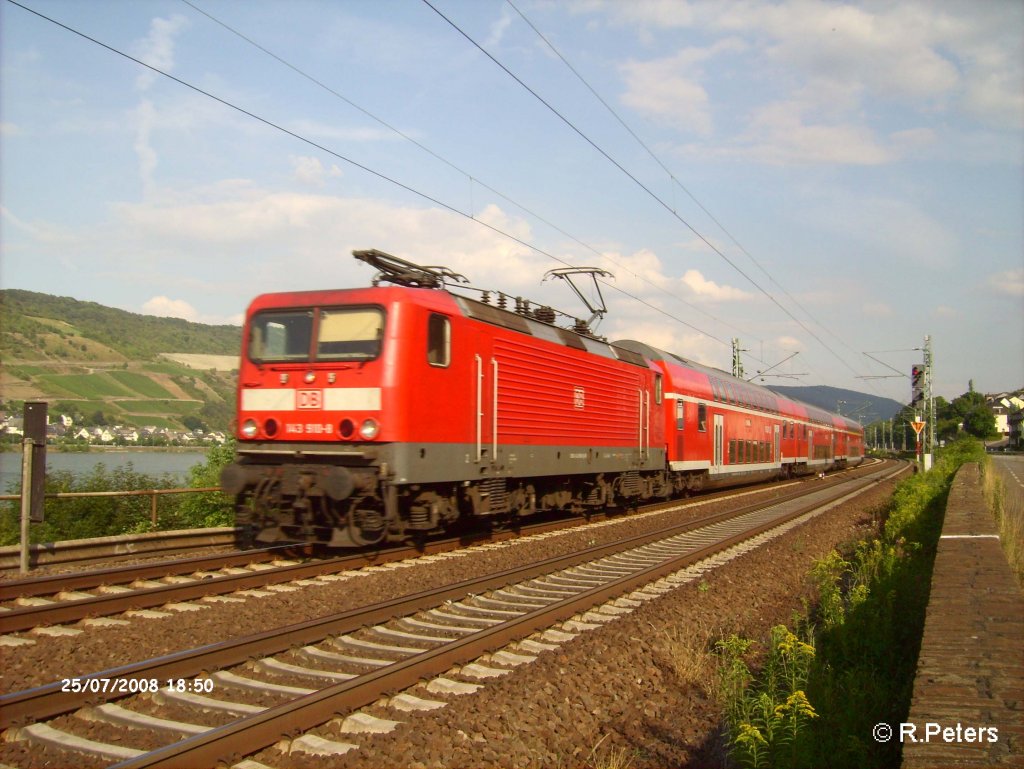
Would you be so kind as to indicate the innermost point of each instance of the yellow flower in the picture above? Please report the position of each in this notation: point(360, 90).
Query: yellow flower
point(750, 735)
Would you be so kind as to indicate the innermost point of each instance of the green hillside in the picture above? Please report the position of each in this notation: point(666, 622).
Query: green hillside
point(30, 321)
point(106, 366)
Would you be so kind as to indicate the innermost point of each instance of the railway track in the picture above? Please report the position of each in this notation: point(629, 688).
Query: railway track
point(57, 600)
point(79, 552)
point(286, 681)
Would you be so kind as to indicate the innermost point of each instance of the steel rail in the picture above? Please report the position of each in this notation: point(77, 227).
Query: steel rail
point(55, 583)
point(227, 743)
point(66, 611)
point(49, 700)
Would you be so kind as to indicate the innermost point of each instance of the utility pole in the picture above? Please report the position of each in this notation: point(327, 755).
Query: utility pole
point(929, 364)
point(737, 361)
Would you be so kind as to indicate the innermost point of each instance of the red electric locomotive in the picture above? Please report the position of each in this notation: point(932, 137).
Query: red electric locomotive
point(382, 413)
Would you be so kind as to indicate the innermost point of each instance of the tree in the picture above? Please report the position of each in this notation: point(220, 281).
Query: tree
point(968, 413)
point(194, 423)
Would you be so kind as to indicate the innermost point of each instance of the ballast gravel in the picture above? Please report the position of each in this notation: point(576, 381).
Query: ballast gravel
point(612, 696)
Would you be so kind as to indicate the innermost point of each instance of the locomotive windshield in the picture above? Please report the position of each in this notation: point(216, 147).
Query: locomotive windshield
point(297, 336)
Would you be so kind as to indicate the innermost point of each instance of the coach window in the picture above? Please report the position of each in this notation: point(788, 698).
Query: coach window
point(702, 417)
point(439, 341)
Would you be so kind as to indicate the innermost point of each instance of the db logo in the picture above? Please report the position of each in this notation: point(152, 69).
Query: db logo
point(309, 399)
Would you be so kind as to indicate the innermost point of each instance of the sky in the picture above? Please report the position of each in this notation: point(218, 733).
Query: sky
point(827, 182)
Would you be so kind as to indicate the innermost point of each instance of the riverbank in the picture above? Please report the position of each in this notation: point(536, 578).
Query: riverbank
point(156, 461)
point(89, 448)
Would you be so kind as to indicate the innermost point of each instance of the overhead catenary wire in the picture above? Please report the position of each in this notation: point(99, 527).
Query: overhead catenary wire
point(653, 195)
point(470, 176)
point(675, 179)
point(316, 145)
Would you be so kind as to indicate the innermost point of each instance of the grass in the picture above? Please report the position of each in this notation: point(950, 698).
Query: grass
point(610, 758)
point(1009, 515)
point(818, 694)
point(174, 407)
point(691, 655)
point(140, 383)
point(89, 386)
point(168, 367)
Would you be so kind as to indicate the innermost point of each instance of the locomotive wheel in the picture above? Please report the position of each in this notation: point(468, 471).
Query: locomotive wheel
point(366, 527)
point(245, 539)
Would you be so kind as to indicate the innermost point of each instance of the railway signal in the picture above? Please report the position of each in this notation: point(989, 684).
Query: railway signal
point(917, 385)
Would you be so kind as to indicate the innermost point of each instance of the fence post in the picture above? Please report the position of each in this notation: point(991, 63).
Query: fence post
point(33, 472)
point(152, 507)
point(26, 499)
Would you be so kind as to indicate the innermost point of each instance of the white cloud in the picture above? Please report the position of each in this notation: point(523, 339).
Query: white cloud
point(823, 76)
point(165, 307)
point(638, 272)
point(780, 133)
point(877, 310)
point(320, 131)
point(498, 28)
point(670, 90)
point(310, 171)
point(145, 119)
point(1009, 283)
point(703, 288)
point(157, 48)
point(669, 337)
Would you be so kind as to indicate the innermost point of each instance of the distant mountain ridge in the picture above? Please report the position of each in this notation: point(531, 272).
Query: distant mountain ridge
point(857, 405)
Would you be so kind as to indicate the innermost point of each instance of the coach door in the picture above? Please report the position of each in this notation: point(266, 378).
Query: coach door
point(719, 439)
point(777, 456)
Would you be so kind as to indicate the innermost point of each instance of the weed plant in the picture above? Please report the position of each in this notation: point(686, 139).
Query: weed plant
point(815, 700)
point(766, 715)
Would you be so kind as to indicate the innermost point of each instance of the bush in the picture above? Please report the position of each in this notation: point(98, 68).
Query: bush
point(86, 517)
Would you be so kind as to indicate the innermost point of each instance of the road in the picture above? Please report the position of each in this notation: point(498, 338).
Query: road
point(1011, 468)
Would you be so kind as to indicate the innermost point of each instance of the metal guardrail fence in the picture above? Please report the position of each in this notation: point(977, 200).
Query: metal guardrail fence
point(153, 493)
point(30, 554)
point(154, 543)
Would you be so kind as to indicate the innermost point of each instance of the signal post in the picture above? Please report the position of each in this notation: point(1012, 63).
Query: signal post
point(918, 426)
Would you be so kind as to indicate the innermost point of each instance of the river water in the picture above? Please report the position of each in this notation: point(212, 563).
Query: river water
point(155, 463)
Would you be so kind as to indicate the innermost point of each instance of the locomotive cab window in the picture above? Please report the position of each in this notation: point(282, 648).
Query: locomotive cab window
point(280, 336)
point(658, 389)
point(350, 334)
point(439, 341)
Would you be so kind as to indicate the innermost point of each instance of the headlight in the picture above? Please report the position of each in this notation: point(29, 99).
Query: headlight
point(369, 429)
point(250, 428)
